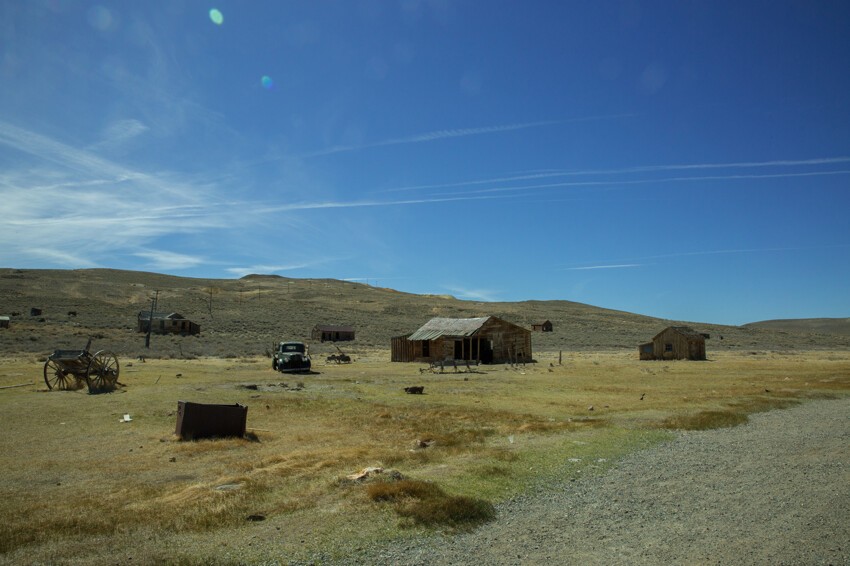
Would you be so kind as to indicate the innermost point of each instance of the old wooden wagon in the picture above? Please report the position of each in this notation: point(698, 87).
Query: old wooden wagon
point(68, 369)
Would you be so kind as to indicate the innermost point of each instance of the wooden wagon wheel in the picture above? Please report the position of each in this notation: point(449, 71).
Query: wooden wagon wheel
point(56, 377)
point(102, 373)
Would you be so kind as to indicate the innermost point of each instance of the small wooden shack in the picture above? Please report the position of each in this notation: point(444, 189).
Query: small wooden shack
point(328, 333)
point(674, 343)
point(4, 321)
point(166, 323)
point(485, 339)
point(542, 326)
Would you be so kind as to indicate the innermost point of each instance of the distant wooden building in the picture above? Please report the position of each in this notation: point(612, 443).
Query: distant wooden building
point(543, 326)
point(328, 333)
point(485, 339)
point(675, 343)
point(4, 321)
point(166, 323)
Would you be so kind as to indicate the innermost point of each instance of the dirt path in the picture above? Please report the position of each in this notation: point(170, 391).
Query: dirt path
point(774, 491)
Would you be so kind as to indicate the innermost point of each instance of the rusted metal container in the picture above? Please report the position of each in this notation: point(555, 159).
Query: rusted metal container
point(203, 420)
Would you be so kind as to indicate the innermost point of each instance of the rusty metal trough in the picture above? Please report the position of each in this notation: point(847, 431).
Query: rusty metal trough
point(203, 420)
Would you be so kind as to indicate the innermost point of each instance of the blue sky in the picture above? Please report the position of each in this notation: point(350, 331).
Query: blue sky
point(687, 160)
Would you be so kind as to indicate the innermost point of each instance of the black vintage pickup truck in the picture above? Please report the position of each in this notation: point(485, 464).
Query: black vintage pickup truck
point(291, 357)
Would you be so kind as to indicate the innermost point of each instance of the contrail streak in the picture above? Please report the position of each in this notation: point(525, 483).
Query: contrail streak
point(640, 169)
point(456, 133)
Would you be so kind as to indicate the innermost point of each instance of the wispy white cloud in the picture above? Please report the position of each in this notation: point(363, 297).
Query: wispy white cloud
point(368, 203)
point(266, 269)
point(120, 131)
point(649, 169)
point(649, 181)
point(604, 264)
point(59, 257)
point(457, 133)
point(613, 266)
point(70, 206)
point(161, 259)
point(484, 295)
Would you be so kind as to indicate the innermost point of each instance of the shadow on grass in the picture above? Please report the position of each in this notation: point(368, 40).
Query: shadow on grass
point(424, 503)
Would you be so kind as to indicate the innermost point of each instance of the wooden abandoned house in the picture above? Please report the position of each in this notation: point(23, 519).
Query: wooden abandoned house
point(485, 339)
point(4, 321)
point(542, 326)
point(328, 333)
point(167, 323)
point(675, 343)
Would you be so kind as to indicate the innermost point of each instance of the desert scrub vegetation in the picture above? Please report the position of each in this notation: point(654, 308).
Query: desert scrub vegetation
point(470, 441)
point(424, 503)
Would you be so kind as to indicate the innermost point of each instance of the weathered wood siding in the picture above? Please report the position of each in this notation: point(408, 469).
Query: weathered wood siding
point(509, 342)
point(332, 334)
point(182, 326)
point(404, 350)
point(673, 345)
point(497, 341)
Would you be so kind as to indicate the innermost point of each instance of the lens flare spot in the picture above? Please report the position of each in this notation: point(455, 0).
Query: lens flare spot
point(267, 82)
point(101, 18)
point(216, 16)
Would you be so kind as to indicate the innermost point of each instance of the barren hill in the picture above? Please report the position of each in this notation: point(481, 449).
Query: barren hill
point(840, 326)
point(245, 316)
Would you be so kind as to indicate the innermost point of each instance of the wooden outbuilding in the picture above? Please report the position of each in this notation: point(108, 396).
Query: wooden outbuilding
point(328, 333)
point(542, 326)
point(487, 339)
point(4, 321)
point(166, 323)
point(674, 343)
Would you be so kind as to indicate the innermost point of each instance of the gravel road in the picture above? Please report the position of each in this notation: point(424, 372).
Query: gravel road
point(773, 491)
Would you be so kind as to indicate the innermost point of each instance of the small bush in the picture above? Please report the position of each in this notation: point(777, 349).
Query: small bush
point(736, 414)
point(395, 491)
point(450, 511)
point(705, 420)
point(425, 503)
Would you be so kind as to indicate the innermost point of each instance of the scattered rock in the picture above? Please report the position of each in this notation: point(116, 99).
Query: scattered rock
point(373, 472)
point(256, 517)
point(415, 389)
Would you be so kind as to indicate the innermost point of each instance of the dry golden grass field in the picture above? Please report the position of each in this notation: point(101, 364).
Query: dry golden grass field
point(81, 486)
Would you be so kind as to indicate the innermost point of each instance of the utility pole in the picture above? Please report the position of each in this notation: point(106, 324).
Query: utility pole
point(150, 319)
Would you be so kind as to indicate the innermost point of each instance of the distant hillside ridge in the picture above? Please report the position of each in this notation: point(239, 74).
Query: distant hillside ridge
point(839, 326)
point(244, 317)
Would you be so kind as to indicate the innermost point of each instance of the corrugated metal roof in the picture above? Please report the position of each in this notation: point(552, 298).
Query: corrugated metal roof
point(437, 327)
point(146, 315)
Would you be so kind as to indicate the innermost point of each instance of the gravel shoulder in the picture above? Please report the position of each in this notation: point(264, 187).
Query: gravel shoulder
point(773, 491)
